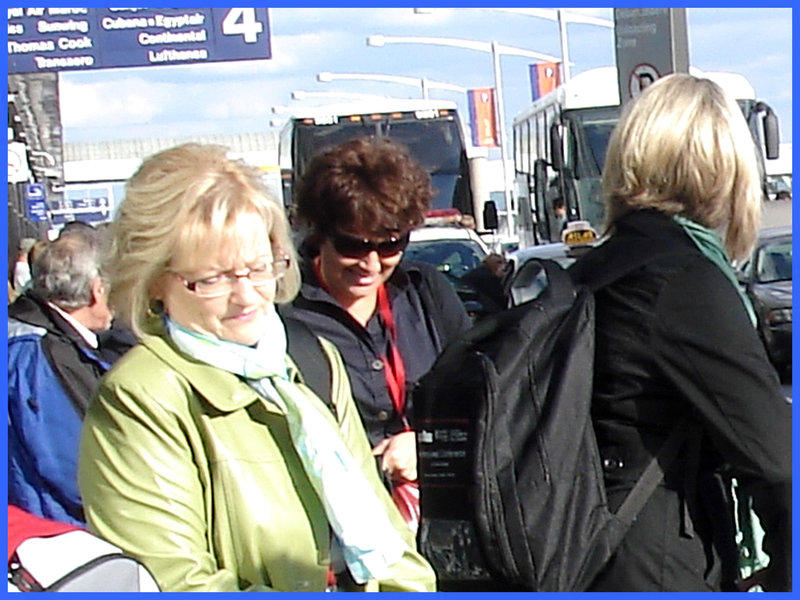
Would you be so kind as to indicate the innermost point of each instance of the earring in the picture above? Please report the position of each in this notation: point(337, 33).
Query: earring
point(155, 308)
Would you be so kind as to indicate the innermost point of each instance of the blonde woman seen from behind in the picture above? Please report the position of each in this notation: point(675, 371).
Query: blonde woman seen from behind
point(204, 454)
point(676, 345)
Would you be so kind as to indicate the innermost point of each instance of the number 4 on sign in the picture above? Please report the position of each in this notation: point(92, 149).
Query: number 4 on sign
point(242, 21)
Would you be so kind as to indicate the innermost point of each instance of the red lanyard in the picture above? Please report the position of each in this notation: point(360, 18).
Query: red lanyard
point(394, 368)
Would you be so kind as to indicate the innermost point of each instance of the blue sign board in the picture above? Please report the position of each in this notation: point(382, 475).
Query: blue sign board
point(69, 39)
point(87, 204)
point(35, 202)
point(34, 191)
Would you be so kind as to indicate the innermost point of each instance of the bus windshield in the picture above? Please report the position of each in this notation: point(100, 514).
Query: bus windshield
point(591, 129)
point(597, 136)
point(435, 143)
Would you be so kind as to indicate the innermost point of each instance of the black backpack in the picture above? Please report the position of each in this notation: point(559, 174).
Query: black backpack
point(511, 485)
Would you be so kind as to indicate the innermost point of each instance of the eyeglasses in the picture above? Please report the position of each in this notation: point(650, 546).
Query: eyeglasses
point(222, 283)
point(357, 247)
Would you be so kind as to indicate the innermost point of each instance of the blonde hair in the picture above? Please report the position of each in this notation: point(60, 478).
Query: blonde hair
point(683, 147)
point(181, 198)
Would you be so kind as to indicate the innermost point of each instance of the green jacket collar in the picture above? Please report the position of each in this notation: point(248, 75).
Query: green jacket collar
point(223, 390)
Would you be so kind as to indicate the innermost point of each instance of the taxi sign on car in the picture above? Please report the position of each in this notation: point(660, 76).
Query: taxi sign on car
point(578, 233)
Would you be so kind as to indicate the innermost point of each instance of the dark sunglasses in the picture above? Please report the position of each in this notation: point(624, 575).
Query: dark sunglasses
point(357, 247)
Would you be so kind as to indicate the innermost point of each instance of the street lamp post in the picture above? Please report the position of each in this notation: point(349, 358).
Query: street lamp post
point(495, 49)
point(561, 16)
point(423, 83)
point(304, 95)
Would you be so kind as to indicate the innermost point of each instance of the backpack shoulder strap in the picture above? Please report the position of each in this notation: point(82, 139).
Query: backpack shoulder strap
point(654, 472)
point(640, 493)
point(306, 351)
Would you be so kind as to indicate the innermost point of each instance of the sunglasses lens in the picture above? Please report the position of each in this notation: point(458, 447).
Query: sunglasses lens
point(350, 246)
point(392, 246)
point(354, 247)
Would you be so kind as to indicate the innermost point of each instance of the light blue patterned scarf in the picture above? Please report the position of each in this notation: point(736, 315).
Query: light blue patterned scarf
point(711, 246)
point(369, 541)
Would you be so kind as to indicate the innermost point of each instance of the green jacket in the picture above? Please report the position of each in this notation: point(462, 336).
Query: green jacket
point(185, 467)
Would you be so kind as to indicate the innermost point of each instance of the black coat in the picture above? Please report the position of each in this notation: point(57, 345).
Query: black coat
point(428, 314)
point(488, 286)
point(674, 341)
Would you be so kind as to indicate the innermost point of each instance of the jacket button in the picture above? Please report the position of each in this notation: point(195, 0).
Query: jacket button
point(377, 364)
point(383, 415)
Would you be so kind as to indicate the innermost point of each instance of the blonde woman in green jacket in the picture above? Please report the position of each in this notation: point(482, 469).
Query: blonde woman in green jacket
point(203, 453)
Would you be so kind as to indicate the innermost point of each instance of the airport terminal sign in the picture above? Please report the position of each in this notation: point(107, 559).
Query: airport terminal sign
point(68, 39)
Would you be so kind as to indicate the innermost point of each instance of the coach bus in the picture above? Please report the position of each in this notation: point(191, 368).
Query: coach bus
point(560, 143)
point(430, 129)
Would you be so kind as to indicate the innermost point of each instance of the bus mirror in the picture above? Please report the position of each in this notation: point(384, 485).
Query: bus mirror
point(555, 147)
point(771, 132)
point(490, 220)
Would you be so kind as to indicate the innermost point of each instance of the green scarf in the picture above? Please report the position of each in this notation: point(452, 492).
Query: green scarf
point(749, 532)
point(711, 246)
point(370, 543)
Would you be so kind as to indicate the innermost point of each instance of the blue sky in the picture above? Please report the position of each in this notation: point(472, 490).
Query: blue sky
point(238, 97)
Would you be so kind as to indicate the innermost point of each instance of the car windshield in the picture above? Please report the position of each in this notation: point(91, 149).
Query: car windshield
point(455, 258)
point(774, 262)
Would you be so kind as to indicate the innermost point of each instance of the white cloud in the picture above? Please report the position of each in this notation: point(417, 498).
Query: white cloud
point(247, 103)
point(347, 18)
point(134, 100)
point(293, 51)
point(433, 17)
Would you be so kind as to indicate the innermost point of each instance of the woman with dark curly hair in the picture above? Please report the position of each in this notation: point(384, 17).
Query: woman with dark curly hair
point(358, 202)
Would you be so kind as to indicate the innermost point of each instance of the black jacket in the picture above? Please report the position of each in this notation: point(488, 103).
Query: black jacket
point(428, 314)
point(674, 341)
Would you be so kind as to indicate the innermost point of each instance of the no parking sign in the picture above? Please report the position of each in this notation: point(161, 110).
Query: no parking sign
point(650, 43)
point(642, 76)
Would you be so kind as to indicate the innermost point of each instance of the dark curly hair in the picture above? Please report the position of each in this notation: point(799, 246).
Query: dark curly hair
point(365, 185)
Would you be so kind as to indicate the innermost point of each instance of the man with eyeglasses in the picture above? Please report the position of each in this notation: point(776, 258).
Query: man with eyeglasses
point(359, 201)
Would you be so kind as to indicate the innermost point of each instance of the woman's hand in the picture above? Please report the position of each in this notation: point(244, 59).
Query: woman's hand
point(399, 456)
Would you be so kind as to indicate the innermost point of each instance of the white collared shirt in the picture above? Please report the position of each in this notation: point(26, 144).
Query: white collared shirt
point(86, 333)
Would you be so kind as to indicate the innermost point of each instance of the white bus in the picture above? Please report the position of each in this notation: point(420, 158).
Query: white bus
point(560, 143)
point(430, 129)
